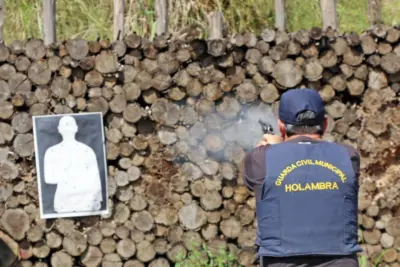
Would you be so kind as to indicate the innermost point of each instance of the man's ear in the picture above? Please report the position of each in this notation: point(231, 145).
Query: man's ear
point(282, 128)
point(325, 124)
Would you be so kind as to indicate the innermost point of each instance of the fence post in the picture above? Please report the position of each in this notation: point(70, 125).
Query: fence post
point(329, 14)
point(162, 16)
point(49, 21)
point(1, 21)
point(280, 15)
point(215, 25)
point(374, 12)
point(119, 20)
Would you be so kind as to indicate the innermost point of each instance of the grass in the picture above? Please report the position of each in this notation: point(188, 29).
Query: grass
point(92, 19)
point(363, 261)
point(207, 257)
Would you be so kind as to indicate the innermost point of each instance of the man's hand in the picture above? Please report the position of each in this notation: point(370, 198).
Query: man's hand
point(270, 139)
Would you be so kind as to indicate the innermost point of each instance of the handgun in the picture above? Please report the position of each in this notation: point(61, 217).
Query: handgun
point(266, 127)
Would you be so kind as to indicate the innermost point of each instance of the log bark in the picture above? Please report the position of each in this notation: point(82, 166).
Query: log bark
point(313, 70)
point(75, 243)
point(23, 144)
point(161, 81)
point(15, 222)
point(211, 200)
point(143, 221)
point(278, 53)
point(390, 255)
point(372, 237)
point(247, 92)
point(53, 240)
point(145, 251)
point(35, 233)
point(327, 93)
point(192, 217)
point(6, 133)
point(41, 250)
point(132, 113)
point(77, 48)
point(61, 258)
point(106, 62)
point(268, 35)
point(22, 63)
point(390, 64)
point(138, 203)
point(386, 241)
point(6, 110)
point(356, 87)
point(287, 73)
point(5, 93)
point(393, 227)
point(231, 227)
point(393, 35)
point(35, 49)
point(92, 257)
point(246, 238)
point(7, 71)
point(111, 259)
point(384, 48)
point(108, 245)
point(165, 112)
point(20, 84)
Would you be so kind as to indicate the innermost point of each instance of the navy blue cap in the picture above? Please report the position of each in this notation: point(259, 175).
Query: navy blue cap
point(295, 101)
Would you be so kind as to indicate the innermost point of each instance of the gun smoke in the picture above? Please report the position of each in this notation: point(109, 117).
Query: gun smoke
point(218, 137)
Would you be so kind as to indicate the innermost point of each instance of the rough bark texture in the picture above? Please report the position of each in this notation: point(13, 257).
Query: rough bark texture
point(174, 114)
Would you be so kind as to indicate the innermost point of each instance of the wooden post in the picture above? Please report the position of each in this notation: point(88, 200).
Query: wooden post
point(119, 19)
point(1, 21)
point(374, 12)
point(49, 21)
point(329, 14)
point(215, 25)
point(280, 15)
point(162, 16)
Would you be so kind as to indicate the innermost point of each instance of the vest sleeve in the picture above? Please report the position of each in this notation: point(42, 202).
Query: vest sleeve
point(253, 168)
point(355, 158)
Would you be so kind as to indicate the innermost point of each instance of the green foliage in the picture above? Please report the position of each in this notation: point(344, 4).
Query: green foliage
point(207, 257)
point(92, 19)
point(363, 261)
point(253, 15)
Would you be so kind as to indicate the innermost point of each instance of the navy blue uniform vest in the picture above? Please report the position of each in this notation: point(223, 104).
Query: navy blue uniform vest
point(309, 201)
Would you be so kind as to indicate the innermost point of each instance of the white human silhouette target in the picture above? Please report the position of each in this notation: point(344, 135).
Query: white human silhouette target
point(71, 164)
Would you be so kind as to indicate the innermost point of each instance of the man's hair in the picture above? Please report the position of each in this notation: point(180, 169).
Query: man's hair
point(305, 124)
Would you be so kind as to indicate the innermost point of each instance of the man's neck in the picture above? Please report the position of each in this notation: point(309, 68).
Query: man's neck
point(312, 136)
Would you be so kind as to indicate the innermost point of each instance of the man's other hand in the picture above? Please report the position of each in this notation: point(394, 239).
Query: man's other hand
point(270, 139)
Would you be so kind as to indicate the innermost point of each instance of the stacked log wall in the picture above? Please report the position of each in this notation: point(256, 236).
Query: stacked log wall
point(169, 109)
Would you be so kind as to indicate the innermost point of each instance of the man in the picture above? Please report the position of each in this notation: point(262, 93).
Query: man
point(306, 189)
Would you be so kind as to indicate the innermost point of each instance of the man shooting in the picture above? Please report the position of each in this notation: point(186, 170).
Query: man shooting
point(306, 189)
